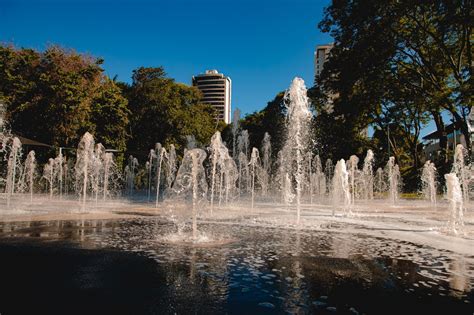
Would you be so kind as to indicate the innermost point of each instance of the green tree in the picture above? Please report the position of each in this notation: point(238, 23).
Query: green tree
point(400, 55)
point(56, 95)
point(165, 111)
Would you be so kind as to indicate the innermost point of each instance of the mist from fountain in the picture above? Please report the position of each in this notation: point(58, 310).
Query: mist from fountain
point(235, 132)
point(13, 168)
point(318, 178)
point(455, 197)
point(394, 179)
point(429, 184)
point(191, 182)
point(329, 172)
point(367, 180)
point(160, 155)
point(341, 194)
point(29, 174)
point(297, 136)
point(380, 183)
point(462, 171)
point(254, 170)
point(49, 175)
point(266, 163)
point(84, 159)
point(353, 172)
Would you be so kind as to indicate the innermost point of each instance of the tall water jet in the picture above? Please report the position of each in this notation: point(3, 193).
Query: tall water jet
point(380, 185)
point(215, 155)
point(353, 174)
point(59, 165)
point(48, 175)
point(394, 179)
point(329, 171)
point(243, 143)
point(13, 167)
point(309, 181)
point(284, 180)
point(319, 177)
point(462, 171)
point(160, 154)
point(296, 144)
point(455, 197)
point(235, 132)
point(84, 158)
point(254, 167)
point(191, 182)
point(110, 169)
point(266, 161)
point(340, 189)
point(29, 173)
point(368, 176)
point(428, 182)
point(130, 171)
point(97, 176)
point(222, 170)
point(149, 167)
point(171, 166)
point(191, 142)
point(244, 174)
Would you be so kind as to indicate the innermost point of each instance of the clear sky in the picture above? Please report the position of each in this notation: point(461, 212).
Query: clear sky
point(260, 44)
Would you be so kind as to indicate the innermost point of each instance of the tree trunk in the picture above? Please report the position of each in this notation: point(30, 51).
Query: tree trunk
point(462, 124)
point(443, 141)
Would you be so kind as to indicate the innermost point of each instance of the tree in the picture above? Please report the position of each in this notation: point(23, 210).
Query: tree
point(57, 95)
point(271, 119)
point(165, 111)
point(400, 54)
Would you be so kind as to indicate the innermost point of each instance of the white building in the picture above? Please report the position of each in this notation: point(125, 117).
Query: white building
point(321, 55)
point(217, 91)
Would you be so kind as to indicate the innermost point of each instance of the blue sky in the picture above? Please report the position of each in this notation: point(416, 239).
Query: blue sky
point(261, 45)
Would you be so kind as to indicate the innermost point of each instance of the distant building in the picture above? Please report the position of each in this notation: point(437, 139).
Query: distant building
point(217, 91)
point(321, 55)
point(454, 135)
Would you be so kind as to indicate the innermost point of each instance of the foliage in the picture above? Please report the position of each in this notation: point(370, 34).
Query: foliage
point(165, 111)
point(56, 95)
point(398, 63)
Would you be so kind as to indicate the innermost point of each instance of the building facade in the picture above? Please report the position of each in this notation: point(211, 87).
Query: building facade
point(217, 92)
point(454, 136)
point(321, 55)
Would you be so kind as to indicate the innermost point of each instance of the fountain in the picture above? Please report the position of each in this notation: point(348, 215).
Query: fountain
point(254, 169)
point(353, 176)
point(380, 183)
point(462, 171)
point(149, 167)
point(428, 182)
point(48, 175)
point(341, 194)
point(160, 155)
point(235, 131)
point(171, 166)
point(319, 178)
point(84, 159)
point(329, 172)
point(368, 176)
point(455, 198)
point(191, 182)
point(394, 181)
point(266, 161)
point(29, 174)
point(296, 144)
point(13, 168)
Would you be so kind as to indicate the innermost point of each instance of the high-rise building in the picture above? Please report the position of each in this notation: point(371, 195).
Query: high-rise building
point(321, 55)
point(217, 92)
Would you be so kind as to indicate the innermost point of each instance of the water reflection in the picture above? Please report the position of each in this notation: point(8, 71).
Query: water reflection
point(294, 271)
